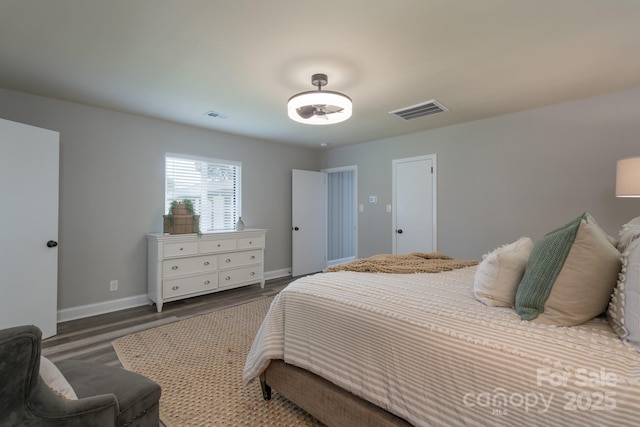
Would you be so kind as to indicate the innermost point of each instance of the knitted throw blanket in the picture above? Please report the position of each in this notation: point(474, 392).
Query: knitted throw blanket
point(416, 262)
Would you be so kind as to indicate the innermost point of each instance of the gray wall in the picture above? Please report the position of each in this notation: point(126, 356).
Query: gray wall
point(498, 179)
point(521, 174)
point(112, 190)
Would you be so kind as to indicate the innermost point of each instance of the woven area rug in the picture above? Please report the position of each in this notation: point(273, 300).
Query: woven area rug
point(199, 362)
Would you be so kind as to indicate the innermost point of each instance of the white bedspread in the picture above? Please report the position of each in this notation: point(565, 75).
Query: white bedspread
point(422, 347)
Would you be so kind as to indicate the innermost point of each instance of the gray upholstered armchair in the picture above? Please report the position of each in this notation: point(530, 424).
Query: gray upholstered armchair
point(107, 396)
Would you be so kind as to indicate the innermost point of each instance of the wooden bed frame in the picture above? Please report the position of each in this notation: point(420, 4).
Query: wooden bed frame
point(324, 400)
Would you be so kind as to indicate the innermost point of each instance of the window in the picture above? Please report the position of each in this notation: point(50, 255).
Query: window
point(212, 185)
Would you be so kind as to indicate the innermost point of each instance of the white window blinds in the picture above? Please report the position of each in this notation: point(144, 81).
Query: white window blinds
point(212, 185)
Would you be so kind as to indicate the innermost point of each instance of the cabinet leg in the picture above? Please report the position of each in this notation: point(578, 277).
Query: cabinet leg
point(159, 306)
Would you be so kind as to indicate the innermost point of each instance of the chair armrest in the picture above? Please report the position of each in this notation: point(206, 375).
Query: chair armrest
point(52, 410)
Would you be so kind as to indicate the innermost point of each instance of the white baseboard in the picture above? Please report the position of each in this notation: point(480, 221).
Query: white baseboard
point(276, 274)
point(89, 310)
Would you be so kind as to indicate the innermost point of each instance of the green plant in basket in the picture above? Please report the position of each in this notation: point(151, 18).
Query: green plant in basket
point(178, 207)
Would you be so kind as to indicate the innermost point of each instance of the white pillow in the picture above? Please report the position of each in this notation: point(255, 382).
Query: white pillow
point(624, 308)
point(498, 275)
point(55, 380)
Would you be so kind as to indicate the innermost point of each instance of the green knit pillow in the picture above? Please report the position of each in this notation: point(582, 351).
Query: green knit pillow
point(570, 275)
point(545, 263)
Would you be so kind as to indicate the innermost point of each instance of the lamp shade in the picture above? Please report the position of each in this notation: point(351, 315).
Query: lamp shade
point(628, 177)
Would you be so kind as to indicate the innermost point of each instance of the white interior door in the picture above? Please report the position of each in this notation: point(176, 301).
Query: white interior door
point(29, 186)
point(309, 222)
point(414, 205)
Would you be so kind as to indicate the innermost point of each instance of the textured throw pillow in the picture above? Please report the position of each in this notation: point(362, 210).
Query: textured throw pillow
point(570, 275)
point(624, 308)
point(55, 380)
point(629, 232)
point(497, 277)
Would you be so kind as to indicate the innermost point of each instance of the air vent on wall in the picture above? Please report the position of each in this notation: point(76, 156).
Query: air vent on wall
point(420, 110)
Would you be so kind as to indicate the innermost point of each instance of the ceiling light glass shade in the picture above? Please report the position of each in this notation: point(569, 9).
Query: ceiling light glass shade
point(628, 177)
point(320, 98)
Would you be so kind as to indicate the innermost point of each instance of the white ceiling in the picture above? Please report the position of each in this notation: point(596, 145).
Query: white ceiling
point(177, 59)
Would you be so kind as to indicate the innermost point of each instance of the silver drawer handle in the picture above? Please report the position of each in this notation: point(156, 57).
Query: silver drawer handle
point(228, 260)
point(207, 282)
point(206, 263)
point(253, 257)
point(175, 288)
point(175, 267)
point(227, 278)
point(253, 273)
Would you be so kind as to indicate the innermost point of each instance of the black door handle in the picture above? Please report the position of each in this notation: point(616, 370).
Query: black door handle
point(296, 228)
point(52, 244)
point(399, 231)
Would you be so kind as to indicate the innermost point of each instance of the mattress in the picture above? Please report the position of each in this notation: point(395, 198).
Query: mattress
point(423, 348)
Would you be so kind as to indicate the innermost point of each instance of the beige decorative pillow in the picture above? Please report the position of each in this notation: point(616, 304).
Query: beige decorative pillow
point(55, 380)
point(497, 277)
point(570, 275)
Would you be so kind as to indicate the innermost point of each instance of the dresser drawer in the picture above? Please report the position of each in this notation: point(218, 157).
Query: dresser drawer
point(189, 285)
point(207, 246)
point(239, 275)
point(251, 242)
point(178, 249)
point(235, 259)
point(179, 266)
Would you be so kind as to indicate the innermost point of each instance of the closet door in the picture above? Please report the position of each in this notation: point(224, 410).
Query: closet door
point(342, 214)
point(414, 205)
point(29, 166)
point(309, 222)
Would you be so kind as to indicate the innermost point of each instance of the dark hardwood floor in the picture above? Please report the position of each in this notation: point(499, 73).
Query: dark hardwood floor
point(90, 338)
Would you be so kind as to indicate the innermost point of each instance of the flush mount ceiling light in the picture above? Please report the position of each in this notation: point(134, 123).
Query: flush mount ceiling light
point(319, 107)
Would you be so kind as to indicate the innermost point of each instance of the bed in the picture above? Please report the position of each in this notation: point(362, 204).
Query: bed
point(423, 349)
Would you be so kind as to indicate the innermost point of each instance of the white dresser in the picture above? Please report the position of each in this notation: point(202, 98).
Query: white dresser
point(186, 265)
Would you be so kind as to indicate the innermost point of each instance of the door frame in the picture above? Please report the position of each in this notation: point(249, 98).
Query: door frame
point(328, 171)
point(434, 182)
